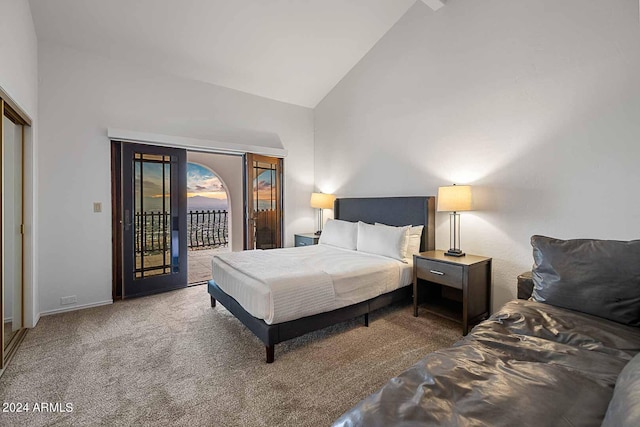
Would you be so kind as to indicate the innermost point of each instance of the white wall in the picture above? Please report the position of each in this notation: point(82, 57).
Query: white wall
point(80, 95)
point(19, 79)
point(229, 169)
point(536, 104)
point(18, 54)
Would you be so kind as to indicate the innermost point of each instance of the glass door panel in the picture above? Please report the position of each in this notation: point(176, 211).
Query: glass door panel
point(152, 183)
point(154, 204)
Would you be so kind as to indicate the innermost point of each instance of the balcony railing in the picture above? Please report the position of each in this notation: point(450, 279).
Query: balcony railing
point(205, 229)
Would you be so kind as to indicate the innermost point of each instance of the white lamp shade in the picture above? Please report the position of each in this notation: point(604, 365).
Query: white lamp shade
point(454, 198)
point(322, 200)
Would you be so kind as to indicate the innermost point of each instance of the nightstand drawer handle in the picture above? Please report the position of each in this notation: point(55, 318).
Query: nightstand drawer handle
point(303, 244)
point(439, 273)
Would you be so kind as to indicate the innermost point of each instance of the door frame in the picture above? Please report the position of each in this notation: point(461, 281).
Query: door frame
point(13, 113)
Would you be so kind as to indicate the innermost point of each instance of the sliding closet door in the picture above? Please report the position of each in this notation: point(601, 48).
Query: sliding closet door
point(11, 227)
point(154, 237)
point(11, 230)
point(263, 196)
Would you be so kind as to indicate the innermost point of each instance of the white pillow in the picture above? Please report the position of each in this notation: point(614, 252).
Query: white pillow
point(413, 241)
point(343, 234)
point(383, 240)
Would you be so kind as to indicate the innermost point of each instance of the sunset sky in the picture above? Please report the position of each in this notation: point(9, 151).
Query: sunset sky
point(204, 188)
point(202, 182)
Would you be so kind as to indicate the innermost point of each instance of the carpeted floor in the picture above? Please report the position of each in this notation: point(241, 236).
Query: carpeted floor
point(171, 359)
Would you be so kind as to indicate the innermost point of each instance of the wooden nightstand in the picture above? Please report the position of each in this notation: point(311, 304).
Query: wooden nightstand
point(456, 288)
point(306, 239)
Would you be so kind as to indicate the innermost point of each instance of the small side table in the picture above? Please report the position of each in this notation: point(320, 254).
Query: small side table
point(456, 288)
point(306, 239)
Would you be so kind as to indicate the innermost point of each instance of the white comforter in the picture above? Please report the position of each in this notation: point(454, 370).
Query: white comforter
point(285, 284)
point(291, 283)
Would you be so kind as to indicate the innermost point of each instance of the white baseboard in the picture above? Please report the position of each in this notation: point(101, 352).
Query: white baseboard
point(73, 308)
point(36, 320)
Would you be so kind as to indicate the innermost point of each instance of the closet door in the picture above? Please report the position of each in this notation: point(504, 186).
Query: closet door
point(11, 227)
point(11, 231)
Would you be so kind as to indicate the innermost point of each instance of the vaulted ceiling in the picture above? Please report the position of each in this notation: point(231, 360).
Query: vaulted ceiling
point(294, 51)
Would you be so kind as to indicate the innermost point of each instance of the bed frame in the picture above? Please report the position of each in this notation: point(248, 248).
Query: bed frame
point(397, 211)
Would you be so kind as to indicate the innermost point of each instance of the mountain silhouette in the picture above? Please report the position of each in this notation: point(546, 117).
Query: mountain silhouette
point(199, 203)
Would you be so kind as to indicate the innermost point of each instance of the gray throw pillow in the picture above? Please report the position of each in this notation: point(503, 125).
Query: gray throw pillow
point(624, 408)
point(598, 277)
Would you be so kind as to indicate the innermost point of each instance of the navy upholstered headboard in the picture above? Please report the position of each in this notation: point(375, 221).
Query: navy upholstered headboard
point(396, 211)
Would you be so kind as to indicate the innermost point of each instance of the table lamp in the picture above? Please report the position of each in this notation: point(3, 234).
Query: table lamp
point(454, 199)
point(321, 201)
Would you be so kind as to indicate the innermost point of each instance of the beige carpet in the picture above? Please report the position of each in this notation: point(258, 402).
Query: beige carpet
point(171, 359)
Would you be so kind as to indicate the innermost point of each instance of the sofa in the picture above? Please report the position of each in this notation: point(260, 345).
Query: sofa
point(565, 354)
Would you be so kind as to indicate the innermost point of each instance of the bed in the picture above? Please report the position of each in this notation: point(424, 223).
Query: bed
point(272, 328)
point(566, 354)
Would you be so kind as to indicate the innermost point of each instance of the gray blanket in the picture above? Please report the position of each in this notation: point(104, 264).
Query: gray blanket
point(530, 364)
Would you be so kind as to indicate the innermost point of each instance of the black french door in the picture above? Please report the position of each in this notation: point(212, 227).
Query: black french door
point(154, 219)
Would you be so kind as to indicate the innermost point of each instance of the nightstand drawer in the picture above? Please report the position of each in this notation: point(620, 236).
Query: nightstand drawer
point(440, 272)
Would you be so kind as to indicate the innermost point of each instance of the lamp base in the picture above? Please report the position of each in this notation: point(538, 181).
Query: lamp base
point(319, 232)
point(454, 252)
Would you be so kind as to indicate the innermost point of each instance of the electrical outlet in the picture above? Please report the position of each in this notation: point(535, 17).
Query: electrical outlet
point(97, 207)
point(68, 300)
